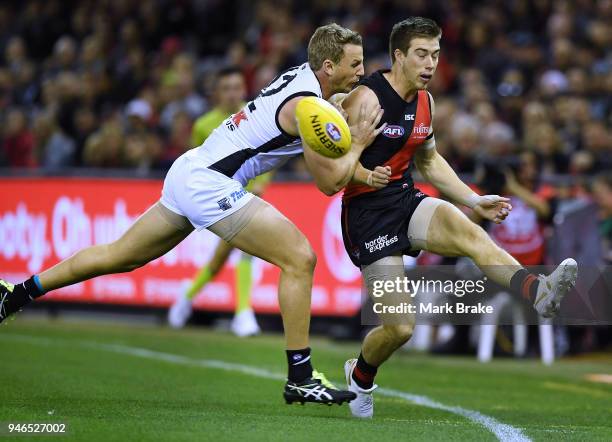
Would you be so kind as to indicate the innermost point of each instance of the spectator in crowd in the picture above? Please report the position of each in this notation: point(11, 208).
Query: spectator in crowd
point(535, 74)
point(543, 139)
point(85, 122)
point(105, 147)
point(18, 140)
point(179, 92)
point(465, 143)
point(229, 90)
point(522, 233)
point(54, 148)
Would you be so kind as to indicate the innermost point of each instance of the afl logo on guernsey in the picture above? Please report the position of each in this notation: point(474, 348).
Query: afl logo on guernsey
point(393, 131)
point(333, 131)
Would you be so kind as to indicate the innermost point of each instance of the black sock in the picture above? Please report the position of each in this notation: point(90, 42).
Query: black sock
point(364, 373)
point(525, 284)
point(23, 294)
point(300, 367)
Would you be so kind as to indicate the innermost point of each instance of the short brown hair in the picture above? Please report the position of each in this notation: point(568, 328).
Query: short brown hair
point(327, 43)
point(413, 27)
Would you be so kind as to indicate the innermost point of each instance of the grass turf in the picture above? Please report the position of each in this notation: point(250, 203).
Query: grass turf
point(55, 371)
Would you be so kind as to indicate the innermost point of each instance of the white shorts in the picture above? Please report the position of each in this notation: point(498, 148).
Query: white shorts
point(200, 194)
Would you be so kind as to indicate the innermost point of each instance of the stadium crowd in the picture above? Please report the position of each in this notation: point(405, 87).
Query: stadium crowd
point(120, 83)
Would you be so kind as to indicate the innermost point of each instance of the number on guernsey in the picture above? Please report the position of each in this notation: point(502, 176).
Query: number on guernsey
point(285, 78)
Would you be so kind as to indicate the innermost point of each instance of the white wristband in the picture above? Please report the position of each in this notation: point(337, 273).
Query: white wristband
point(472, 200)
point(369, 179)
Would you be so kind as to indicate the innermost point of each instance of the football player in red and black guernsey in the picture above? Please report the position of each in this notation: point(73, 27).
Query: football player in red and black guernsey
point(381, 225)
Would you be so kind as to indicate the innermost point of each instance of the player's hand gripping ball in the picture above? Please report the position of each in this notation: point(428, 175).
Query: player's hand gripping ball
point(322, 127)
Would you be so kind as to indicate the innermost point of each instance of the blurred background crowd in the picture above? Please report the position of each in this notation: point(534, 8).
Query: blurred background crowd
point(523, 95)
point(523, 87)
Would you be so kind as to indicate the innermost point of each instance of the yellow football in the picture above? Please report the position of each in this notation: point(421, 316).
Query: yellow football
point(322, 127)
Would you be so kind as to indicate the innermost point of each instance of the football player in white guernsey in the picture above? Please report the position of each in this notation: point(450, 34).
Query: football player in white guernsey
point(435, 225)
point(204, 189)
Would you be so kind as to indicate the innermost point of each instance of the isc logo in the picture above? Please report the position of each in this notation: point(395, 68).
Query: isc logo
point(393, 131)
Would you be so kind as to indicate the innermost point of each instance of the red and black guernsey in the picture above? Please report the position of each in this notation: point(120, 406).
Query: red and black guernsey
point(375, 222)
point(407, 128)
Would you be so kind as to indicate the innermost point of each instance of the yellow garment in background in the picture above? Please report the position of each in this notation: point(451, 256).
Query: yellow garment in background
point(204, 125)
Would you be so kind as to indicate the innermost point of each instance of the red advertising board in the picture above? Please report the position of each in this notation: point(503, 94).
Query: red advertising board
point(44, 220)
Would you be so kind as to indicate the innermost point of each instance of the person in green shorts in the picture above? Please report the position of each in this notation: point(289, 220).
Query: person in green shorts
point(229, 90)
point(244, 322)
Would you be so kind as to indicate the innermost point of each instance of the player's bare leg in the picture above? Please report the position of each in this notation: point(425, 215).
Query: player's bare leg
point(439, 227)
point(222, 252)
point(270, 236)
point(380, 343)
point(152, 235)
point(451, 233)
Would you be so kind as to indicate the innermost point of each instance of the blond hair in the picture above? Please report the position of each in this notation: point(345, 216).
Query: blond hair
point(327, 43)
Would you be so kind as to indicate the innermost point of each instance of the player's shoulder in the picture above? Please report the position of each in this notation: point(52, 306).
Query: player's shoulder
point(294, 82)
point(307, 81)
point(360, 95)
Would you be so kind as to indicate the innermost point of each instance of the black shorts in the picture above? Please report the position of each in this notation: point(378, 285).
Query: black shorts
point(373, 228)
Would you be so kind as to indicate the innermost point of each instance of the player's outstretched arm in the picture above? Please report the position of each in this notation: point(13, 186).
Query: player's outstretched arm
point(333, 174)
point(435, 169)
point(438, 172)
point(377, 178)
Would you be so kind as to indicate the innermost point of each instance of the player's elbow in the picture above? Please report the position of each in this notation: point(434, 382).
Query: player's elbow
point(338, 185)
point(328, 188)
point(330, 183)
point(334, 190)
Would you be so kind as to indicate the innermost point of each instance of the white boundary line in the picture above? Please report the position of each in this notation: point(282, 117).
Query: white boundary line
point(503, 432)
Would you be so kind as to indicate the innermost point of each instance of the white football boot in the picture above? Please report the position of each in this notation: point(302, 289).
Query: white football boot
point(245, 324)
point(554, 287)
point(363, 405)
point(179, 313)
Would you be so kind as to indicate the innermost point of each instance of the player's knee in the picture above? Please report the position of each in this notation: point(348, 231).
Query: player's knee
point(399, 334)
point(304, 257)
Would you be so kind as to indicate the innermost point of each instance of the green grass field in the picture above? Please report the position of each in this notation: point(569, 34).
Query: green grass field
point(133, 383)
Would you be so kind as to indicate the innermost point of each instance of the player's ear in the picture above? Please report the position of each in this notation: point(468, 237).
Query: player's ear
point(329, 67)
point(399, 55)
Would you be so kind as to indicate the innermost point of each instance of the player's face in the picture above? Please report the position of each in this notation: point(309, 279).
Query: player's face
point(231, 91)
point(349, 69)
point(420, 62)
